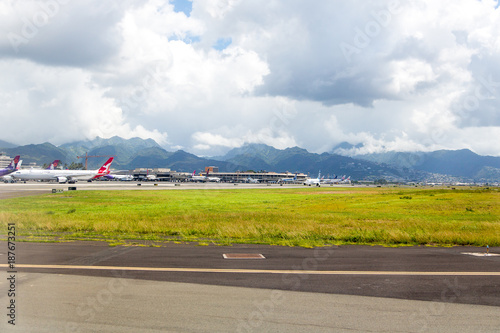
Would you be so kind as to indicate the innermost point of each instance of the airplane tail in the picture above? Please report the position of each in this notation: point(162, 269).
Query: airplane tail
point(18, 165)
point(53, 165)
point(14, 162)
point(104, 170)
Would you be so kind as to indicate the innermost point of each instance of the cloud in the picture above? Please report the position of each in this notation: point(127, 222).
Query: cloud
point(59, 105)
point(393, 75)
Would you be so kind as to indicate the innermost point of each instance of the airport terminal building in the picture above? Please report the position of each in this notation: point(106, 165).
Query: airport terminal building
point(162, 174)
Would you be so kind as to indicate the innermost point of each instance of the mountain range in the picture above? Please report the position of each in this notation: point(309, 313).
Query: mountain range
point(443, 165)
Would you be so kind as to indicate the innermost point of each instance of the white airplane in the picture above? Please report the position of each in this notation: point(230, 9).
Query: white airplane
point(119, 177)
point(314, 181)
point(284, 180)
point(212, 179)
point(251, 180)
point(334, 180)
point(346, 180)
point(200, 178)
point(337, 180)
point(150, 177)
point(62, 176)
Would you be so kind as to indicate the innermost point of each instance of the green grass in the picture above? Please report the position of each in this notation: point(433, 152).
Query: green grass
point(305, 217)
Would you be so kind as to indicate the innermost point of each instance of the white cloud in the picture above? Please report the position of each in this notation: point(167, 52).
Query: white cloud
point(421, 75)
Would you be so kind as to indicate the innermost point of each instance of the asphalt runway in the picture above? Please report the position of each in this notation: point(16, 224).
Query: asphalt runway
point(90, 286)
point(32, 188)
point(418, 273)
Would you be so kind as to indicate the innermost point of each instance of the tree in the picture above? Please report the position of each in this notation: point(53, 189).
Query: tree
point(74, 166)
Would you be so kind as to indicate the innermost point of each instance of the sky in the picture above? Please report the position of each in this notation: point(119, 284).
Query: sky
point(207, 76)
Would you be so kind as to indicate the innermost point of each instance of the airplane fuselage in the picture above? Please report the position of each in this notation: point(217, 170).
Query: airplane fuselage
point(59, 175)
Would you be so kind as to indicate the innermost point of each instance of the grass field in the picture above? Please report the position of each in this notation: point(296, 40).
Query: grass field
point(295, 217)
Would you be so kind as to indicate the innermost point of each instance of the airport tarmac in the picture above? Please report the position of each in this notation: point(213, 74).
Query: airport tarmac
point(32, 188)
point(90, 286)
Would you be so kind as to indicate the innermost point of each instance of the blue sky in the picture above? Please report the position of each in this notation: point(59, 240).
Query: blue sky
point(184, 6)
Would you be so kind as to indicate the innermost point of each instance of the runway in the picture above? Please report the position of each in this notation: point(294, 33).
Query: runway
point(90, 286)
point(10, 190)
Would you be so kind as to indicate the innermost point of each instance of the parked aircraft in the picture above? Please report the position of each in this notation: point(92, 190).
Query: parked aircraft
point(285, 180)
point(314, 181)
point(200, 178)
point(346, 180)
point(334, 180)
point(251, 180)
point(337, 180)
point(212, 179)
point(53, 165)
point(12, 167)
point(119, 177)
point(63, 176)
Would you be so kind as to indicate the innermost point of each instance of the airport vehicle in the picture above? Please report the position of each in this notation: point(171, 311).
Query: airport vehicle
point(63, 176)
point(314, 181)
point(12, 167)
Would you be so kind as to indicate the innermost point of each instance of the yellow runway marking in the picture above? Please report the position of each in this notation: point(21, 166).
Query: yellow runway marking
point(254, 271)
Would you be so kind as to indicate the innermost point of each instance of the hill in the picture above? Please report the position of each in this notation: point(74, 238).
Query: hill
point(5, 144)
point(263, 157)
point(458, 163)
point(442, 165)
point(40, 154)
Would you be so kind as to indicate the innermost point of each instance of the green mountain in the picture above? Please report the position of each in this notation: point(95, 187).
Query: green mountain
point(40, 154)
point(138, 153)
point(5, 144)
point(262, 157)
point(124, 150)
point(458, 163)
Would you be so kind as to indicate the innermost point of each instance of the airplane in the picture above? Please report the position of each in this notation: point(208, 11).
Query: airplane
point(346, 181)
point(251, 180)
point(212, 179)
point(284, 180)
point(199, 178)
point(151, 178)
point(63, 176)
point(12, 167)
point(119, 177)
point(314, 181)
point(334, 180)
point(53, 165)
